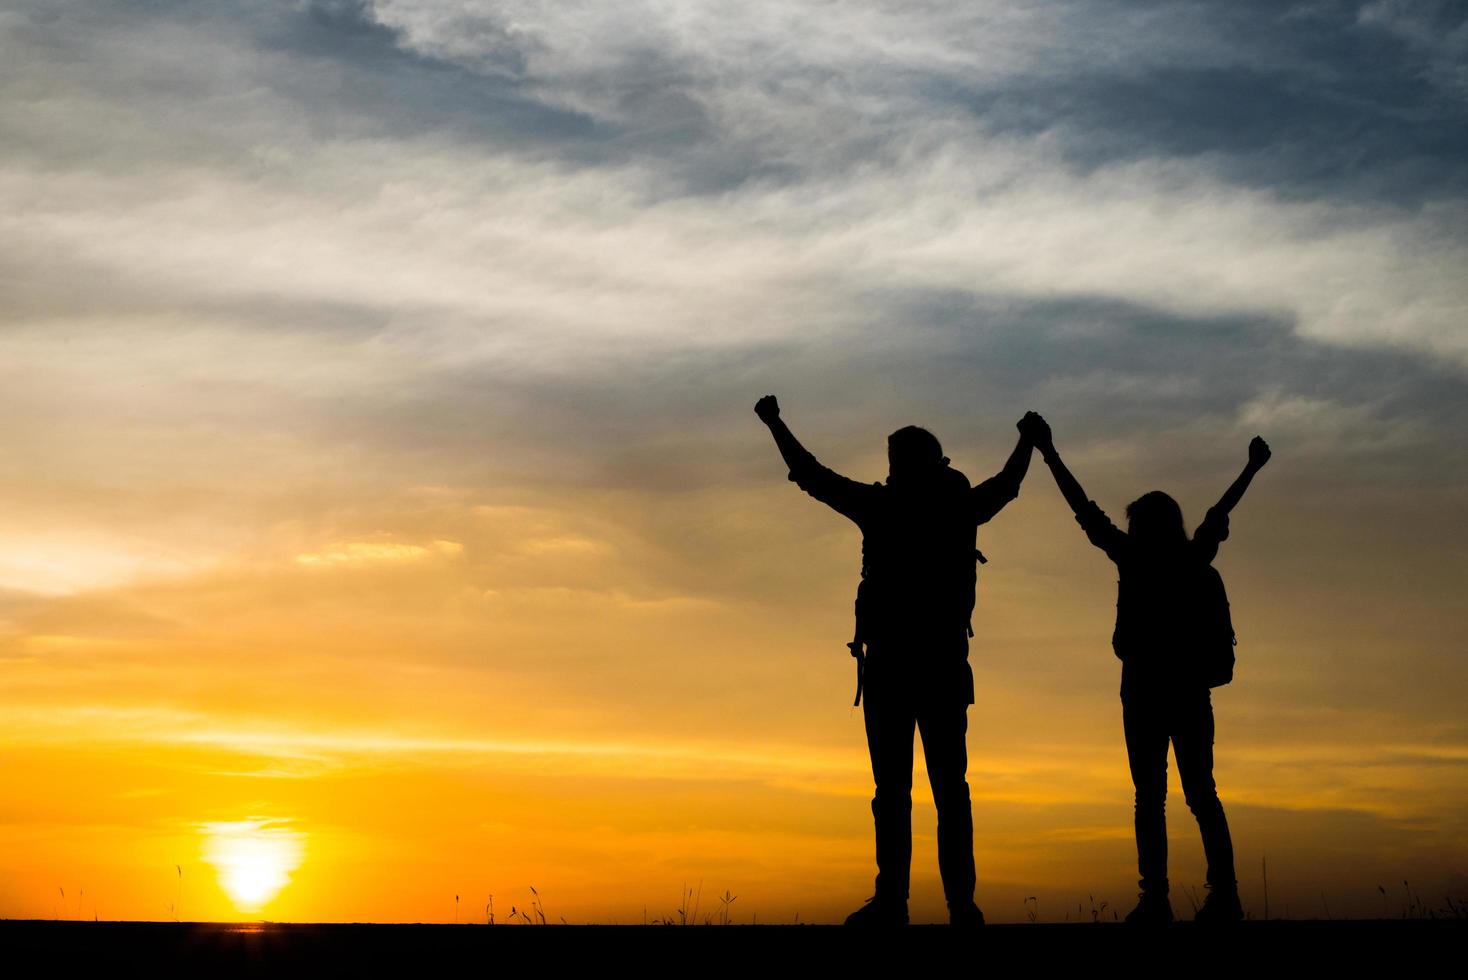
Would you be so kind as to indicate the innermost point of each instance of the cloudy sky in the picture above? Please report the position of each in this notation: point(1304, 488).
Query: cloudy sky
point(383, 516)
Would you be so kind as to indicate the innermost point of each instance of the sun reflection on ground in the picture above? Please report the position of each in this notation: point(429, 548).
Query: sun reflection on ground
point(253, 858)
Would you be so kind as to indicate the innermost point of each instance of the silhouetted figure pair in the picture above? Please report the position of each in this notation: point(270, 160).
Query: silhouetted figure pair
point(914, 605)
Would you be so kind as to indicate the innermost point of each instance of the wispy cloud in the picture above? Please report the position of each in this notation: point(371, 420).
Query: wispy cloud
point(353, 553)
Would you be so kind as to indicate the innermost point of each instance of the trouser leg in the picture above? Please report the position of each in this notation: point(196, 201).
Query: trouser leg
point(889, 728)
point(1146, 747)
point(1193, 742)
point(944, 730)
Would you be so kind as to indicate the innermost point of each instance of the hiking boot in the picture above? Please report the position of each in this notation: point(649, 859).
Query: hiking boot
point(879, 913)
point(1220, 907)
point(1153, 909)
point(965, 916)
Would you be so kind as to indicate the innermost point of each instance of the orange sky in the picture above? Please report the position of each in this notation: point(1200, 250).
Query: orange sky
point(472, 699)
point(383, 517)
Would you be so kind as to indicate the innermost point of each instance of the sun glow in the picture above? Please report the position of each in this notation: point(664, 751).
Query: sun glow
point(253, 858)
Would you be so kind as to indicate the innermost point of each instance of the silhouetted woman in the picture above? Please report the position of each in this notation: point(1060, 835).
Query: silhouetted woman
point(1161, 625)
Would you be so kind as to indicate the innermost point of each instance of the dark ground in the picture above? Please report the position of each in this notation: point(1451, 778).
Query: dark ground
point(206, 949)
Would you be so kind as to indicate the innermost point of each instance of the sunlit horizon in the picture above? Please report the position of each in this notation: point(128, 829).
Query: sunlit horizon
point(253, 859)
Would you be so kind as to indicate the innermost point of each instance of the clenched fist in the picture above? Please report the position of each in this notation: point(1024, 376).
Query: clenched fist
point(1258, 452)
point(767, 408)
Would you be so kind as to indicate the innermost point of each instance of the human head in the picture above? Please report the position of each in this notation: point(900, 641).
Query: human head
point(1155, 519)
point(913, 450)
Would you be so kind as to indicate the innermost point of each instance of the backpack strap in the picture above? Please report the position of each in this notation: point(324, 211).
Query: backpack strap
point(855, 646)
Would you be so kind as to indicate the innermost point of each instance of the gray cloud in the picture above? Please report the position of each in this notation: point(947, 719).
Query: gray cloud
point(506, 240)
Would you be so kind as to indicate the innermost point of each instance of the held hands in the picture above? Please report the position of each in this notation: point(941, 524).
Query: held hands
point(1258, 452)
point(768, 409)
point(1036, 431)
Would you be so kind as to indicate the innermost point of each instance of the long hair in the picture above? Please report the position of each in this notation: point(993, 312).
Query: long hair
point(1155, 520)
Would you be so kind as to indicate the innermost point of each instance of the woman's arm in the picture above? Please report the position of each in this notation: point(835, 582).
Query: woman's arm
point(1214, 529)
point(1258, 455)
point(1038, 431)
point(1098, 527)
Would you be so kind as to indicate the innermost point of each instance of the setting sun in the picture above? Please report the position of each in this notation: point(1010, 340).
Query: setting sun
point(253, 858)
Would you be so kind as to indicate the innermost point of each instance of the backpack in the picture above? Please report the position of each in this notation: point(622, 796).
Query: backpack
point(857, 646)
point(958, 575)
point(1216, 638)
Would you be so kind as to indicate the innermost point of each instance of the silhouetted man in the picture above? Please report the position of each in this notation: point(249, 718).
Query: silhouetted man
point(1165, 627)
point(913, 618)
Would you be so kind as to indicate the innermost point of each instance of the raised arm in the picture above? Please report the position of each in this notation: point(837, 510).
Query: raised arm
point(990, 496)
point(1098, 527)
point(843, 495)
point(1070, 488)
point(1018, 463)
point(796, 456)
point(1258, 455)
point(1214, 529)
